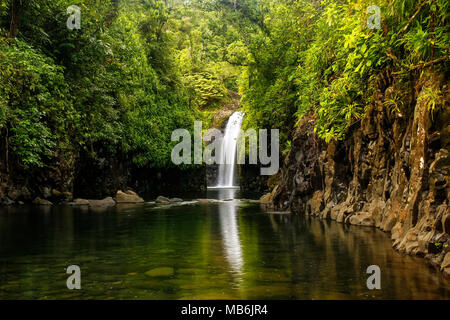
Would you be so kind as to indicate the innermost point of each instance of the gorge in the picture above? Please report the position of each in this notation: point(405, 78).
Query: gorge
point(107, 129)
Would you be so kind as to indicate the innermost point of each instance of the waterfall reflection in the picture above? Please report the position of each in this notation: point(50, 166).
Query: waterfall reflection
point(230, 230)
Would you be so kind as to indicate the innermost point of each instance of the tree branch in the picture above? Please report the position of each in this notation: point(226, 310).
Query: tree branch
point(412, 18)
point(429, 63)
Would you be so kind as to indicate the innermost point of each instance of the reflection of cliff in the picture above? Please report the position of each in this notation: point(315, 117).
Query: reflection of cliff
point(337, 258)
point(391, 172)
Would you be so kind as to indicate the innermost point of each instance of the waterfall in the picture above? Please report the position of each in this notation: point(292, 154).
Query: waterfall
point(228, 148)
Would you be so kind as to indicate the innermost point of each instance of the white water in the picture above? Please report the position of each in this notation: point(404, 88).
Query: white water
point(228, 151)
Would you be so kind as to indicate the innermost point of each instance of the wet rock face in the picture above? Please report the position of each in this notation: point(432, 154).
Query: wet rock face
point(391, 172)
point(250, 178)
point(19, 185)
point(101, 176)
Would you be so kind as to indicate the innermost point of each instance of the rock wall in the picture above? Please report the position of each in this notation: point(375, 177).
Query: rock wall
point(54, 181)
point(251, 180)
point(103, 175)
point(391, 172)
point(95, 177)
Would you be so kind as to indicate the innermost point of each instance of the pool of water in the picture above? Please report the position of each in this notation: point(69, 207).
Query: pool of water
point(219, 250)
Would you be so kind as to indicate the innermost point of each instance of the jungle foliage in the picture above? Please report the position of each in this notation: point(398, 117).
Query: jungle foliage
point(138, 69)
point(320, 57)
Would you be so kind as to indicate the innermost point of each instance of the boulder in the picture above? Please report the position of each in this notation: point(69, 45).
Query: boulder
point(128, 197)
point(42, 202)
point(162, 199)
point(107, 202)
point(130, 192)
point(173, 200)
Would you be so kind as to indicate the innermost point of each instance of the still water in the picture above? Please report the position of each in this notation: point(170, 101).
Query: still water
point(220, 250)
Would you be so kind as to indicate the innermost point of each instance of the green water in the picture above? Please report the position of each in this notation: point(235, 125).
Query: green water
point(223, 250)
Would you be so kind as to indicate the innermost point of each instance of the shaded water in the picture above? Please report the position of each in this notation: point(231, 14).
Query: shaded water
point(222, 250)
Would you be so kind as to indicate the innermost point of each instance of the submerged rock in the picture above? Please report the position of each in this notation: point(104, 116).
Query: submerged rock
point(107, 202)
point(79, 202)
point(160, 272)
point(128, 197)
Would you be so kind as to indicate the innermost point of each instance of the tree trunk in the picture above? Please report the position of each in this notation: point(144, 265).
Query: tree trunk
point(15, 18)
point(7, 150)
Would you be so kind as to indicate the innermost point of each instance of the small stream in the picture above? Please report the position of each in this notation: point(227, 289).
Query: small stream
point(218, 250)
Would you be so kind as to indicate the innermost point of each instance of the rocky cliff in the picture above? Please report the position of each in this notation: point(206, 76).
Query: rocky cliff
point(391, 172)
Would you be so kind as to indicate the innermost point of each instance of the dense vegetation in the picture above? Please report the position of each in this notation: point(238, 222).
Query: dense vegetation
point(138, 69)
point(112, 82)
point(320, 57)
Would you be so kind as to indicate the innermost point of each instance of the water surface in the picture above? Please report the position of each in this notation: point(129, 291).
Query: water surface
point(221, 250)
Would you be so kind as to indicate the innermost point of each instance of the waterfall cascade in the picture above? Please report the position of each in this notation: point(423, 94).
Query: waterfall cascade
point(228, 151)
